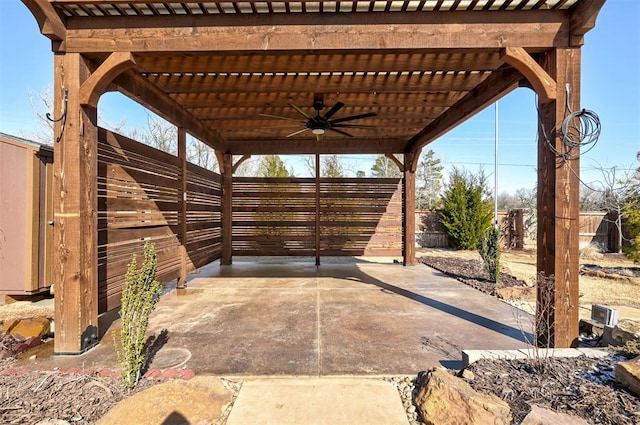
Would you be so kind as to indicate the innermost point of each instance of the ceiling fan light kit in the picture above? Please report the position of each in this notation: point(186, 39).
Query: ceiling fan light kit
point(318, 124)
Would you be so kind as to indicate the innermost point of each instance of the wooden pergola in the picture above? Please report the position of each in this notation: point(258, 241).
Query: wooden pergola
point(214, 69)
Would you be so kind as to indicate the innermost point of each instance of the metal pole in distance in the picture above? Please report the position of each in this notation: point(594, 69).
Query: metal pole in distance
point(495, 173)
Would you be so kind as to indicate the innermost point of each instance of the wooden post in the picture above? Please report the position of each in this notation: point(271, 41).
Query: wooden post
point(317, 209)
point(558, 206)
point(182, 202)
point(75, 211)
point(409, 208)
point(227, 209)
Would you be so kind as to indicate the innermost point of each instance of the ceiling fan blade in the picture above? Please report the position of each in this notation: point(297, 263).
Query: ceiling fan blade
point(353, 117)
point(281, 126)
point(339, 131)
point(280, 117)
point(353, 126)
point(303, 113)
point(335, 108)
point(297, 132)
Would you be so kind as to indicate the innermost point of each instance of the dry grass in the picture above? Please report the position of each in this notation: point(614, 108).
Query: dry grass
point(621, 294)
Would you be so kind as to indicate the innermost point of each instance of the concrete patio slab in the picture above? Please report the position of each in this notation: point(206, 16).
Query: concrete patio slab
point(293, 318)
point(317, 401)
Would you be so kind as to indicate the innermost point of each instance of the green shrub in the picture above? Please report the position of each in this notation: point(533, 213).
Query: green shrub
point(466, 215)
point(139, 298)
point(631, 212)
point(489, 249)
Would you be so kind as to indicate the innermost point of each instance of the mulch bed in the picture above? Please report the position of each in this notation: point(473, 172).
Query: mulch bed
point(28, 398)
point(470, 272)
point(579, 386)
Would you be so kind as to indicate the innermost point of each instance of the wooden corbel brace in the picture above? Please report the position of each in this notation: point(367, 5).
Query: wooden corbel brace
point(97, 83)
point(542, 83)
point(239, 162)
point(411, 160)
point(396, 161)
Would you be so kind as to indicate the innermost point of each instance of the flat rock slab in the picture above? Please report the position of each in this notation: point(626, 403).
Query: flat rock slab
point(198, 401)
point(318, 401)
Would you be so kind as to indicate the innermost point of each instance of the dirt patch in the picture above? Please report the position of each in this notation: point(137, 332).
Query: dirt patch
point(579, 386)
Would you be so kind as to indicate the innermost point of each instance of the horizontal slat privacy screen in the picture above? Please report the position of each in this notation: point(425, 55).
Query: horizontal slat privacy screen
point(277, 216)
point(139, 193)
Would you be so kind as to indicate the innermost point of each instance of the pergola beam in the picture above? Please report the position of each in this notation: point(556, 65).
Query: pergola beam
point(380, 83)
point(49, 21)
point(302, 146)
point(136, 87)
point(493, 88)
point(315, 32)
point(315, 61)
point(583, 19)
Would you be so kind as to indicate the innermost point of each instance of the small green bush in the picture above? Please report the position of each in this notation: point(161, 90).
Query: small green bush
point(489, 249)
point(466, 214)
point(139, 298)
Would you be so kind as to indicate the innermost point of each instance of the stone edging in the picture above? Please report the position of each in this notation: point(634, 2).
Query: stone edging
point(471, 356)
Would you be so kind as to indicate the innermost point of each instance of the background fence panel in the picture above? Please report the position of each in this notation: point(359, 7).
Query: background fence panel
point(276, 216)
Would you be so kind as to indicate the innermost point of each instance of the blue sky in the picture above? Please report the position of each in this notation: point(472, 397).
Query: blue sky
point(610, 88)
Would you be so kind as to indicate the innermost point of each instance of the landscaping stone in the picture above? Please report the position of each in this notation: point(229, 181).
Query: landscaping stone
point(27, 328)
point(628, 375)
point(174, 402)
point(445, 399)
point(523, 293)
point(8, 325)
point(53, 422)
point(625, 330)
point(544, 416)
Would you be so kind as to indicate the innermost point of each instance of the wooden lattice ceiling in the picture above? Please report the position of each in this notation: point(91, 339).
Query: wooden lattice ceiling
point(214, 67)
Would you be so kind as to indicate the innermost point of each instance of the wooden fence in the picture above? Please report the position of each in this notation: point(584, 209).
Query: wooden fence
point(277, 216)
point(431, 233)
point(140, 199)
point(595, 228)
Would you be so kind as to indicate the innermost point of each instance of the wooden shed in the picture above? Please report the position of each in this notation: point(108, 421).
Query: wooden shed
point(26, 211)
point(352, 77)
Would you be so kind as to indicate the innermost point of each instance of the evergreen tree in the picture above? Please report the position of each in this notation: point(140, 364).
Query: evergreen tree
point(631, 211)
point(428, 182)
point(466, 212)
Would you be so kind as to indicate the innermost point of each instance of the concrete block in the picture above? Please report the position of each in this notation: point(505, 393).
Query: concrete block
point(471, 356)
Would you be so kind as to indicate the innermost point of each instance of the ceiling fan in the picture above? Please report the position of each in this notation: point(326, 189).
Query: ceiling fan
point(318, 124)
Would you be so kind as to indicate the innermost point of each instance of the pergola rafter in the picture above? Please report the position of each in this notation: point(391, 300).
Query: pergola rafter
point(214, 69)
